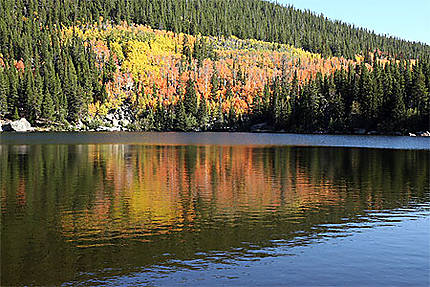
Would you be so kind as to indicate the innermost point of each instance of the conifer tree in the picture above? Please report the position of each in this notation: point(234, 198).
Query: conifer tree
point(190, 98)
point(202, 113)
point(71, 90)
point(26, 93)
point(365, 96)
point(398, 111)
point(4, 91)
point(13, 99)
point(181, 117)
point(419, 91)
point(36, 104)
point(48, 110)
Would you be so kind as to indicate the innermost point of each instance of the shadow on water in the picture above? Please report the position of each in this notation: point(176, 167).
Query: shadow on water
point(71, 213)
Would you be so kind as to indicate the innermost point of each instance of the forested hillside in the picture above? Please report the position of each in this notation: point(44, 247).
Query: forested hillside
point(205, 65)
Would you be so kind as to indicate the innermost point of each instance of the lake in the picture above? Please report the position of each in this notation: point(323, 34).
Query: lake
point(209, 209)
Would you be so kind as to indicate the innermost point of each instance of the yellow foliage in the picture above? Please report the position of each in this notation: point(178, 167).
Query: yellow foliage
point(116, 48)
point(137, 60)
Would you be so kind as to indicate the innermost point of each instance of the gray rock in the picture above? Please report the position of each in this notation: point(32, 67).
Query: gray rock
point(424, 134)
point(108, 129)
point(80, 125)
point(114, 129)
point(121, 114)
point(21, 125)
point(110, 117)
point(125, 122)
point(115, 123)
point(359, 131)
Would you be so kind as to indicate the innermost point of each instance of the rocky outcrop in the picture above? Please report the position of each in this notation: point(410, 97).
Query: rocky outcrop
point(424, 134)
point(118, 120)
point(21, 125)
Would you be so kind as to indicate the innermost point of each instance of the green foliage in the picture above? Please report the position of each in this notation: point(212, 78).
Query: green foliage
point(202, 114)
point(4, 91)
point(190, 98)
point(48, 107)
point(419, 91)
point(184, 122)
point(44, 76)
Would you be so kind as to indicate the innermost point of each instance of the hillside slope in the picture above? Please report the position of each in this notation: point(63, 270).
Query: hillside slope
point(132, 76)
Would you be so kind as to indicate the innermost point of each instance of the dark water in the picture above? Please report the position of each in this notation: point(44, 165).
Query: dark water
point(109, 211)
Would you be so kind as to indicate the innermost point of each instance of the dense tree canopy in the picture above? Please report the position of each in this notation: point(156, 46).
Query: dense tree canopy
point(77, 60)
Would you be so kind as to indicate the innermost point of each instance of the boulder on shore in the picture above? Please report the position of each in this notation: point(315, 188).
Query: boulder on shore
point(424, 134)
point(21, 125)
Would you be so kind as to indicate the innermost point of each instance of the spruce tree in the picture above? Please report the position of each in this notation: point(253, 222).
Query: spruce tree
point(202, 114)
point(4, 91)
point(48, 109)
point(181, 117)
point(419, 91)
point(13, 99)
point(190, 98)
point(398, 111)
point(365, 96)
point(36, 105)
point(27, 94)
point(72, 92)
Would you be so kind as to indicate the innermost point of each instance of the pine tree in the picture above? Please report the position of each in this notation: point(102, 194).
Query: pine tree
point(36, 105)
point(13, 99)
point(398, 111)
point(4, 91)
point(365, 96)
point(190, 98)
point(419, 91)
point(378, 92)
point(218, 117)
point(48, 109)
point(202, 114)
point(181, 117)
point(71, 90)
point(27, 92)
point(276, 108)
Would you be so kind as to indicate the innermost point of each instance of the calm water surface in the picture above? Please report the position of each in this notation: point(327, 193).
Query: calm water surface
point(214, 209)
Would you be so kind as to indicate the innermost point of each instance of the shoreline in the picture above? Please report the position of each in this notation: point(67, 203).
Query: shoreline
point(105, 130)
point(22, 125)
point(215, 139)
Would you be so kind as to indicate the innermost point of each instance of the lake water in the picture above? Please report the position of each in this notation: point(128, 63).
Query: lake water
point(169, 209)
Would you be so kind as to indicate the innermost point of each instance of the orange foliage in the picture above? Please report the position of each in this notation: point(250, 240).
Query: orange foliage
point(149, 59)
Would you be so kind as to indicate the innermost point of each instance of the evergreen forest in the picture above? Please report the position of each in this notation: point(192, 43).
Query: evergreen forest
point(205, 65)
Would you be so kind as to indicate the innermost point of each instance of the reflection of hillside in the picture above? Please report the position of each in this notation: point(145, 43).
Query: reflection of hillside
point(154, 190)
point(136, 203)
point(149, 190)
